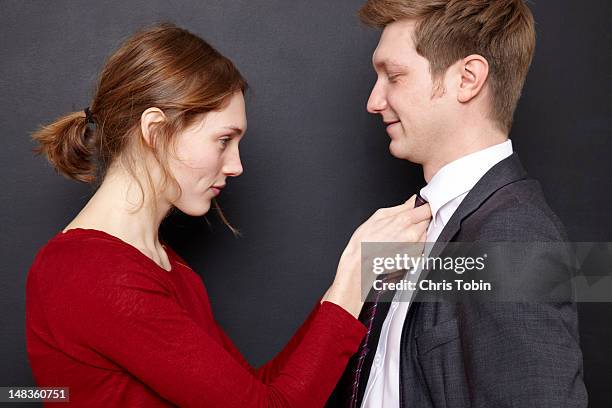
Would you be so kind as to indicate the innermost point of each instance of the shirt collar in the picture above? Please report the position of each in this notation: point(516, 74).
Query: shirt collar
point(458, 177)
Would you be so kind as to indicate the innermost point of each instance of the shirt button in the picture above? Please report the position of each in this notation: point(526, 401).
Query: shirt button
point(377, 360)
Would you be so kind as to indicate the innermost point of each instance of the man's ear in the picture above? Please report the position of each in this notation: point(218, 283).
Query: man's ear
point(149, 118)
point(474, 70)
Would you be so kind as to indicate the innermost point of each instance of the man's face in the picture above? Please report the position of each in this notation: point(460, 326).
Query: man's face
point(403, 95)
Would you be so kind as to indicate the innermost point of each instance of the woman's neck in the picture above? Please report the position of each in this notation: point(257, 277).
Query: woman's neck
point(112, 209)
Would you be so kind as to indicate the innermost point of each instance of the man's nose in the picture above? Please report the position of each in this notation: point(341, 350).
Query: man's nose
point(377, 101)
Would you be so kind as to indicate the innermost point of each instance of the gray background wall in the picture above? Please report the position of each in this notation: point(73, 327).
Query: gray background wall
point(316, 163)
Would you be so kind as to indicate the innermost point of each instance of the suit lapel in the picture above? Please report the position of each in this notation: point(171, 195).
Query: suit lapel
point(503, 173)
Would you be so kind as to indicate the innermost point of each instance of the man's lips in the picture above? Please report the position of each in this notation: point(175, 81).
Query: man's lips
point(388, 124)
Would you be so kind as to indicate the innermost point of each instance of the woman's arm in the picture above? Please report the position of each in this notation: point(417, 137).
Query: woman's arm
point(403, 223)
point(271, 369)
point(133, 320)
point(400, 223)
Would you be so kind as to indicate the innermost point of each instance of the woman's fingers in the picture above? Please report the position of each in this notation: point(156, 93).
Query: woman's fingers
point(410, 202)
point(416, 232)
point(402, 223)
point(410, 216)
point(400, 228)
point(391, 211)
point(414, 215)
point(422, 213)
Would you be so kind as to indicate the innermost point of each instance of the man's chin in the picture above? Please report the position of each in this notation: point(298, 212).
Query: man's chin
point(398, 151)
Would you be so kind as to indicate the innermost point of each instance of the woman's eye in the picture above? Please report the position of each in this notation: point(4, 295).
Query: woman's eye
point(224, 141)
point(392, 77)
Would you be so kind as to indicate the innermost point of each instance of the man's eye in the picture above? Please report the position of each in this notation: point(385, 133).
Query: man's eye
point(392, 77)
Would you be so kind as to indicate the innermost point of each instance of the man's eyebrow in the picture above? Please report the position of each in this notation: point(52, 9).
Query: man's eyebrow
point(386, 63)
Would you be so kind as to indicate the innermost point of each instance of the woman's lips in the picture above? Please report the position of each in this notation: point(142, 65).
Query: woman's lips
point(216, 190)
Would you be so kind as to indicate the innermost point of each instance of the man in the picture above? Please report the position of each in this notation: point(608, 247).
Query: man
point(450, 74)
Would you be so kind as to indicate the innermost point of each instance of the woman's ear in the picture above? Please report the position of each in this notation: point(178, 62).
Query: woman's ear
point(474, 70)
point(149, 118)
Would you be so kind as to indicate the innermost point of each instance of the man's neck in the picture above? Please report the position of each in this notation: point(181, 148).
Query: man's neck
point(461, 146)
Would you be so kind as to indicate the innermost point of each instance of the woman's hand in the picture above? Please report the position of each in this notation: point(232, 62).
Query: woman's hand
point(402, 223)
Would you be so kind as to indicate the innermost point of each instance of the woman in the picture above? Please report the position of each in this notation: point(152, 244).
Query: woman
point(113, 312)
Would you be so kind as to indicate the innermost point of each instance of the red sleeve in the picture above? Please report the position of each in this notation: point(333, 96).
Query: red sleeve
point(132, 318)
point(271, 369)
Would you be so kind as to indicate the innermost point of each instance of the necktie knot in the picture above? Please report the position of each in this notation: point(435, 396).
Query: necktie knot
point(419, 201)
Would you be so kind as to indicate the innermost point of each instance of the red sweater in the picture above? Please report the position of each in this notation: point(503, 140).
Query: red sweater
point(106, 321)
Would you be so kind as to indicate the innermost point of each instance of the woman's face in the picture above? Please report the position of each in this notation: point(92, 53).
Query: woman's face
point(207, 154)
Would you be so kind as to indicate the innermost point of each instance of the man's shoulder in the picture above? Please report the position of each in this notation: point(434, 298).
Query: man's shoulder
point(517, 211)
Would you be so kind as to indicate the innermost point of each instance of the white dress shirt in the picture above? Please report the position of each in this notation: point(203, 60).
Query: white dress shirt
point(444, 192)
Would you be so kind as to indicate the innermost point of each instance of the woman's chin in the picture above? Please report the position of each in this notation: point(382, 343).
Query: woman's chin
point(195, 209)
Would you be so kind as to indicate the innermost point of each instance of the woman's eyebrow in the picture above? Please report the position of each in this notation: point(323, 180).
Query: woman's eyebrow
point(234, 129)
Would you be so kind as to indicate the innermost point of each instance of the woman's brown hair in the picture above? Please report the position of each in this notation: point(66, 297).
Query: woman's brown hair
point(163, 66)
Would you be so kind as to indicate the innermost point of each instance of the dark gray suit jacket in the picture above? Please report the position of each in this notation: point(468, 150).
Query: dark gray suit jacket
point(492, 354)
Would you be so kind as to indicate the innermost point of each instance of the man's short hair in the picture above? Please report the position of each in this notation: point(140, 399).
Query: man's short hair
point(502, 31)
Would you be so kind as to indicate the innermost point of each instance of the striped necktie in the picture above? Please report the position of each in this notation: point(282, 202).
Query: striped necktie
point(350, 390)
